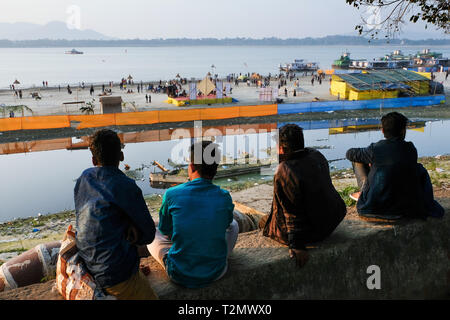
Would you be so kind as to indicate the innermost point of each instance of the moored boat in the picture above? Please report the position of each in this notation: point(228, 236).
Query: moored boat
point(178, 176)
point(73, 51)
point(424, 61)
point(299, 65)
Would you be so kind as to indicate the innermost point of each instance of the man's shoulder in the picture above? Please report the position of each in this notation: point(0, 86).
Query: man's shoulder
point(183, 188)
point(386, 142)
point(223, 192)
point(314, 153)
point(87, 172)
point(108, 175)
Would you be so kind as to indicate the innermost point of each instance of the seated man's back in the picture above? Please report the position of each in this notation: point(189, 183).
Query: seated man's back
point(112, 220)
point(306, 207)
point(388, 173)
point(196, 231)
point(304, 193)
point(196, 216)
point(104, 200)
point(393, 187)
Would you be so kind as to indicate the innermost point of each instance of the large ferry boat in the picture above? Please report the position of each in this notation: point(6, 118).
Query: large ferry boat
point(299, 65)
point(425, 61)
point(428, 61)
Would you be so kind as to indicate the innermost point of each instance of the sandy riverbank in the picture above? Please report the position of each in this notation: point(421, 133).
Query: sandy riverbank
point(53, 99)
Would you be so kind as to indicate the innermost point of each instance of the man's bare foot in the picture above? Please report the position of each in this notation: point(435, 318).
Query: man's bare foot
point(355, 196)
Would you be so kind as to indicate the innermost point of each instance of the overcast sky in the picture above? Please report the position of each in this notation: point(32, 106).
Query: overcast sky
point(149, 19)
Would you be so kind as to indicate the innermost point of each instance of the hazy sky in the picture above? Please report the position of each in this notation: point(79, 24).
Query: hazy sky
point(148, 19)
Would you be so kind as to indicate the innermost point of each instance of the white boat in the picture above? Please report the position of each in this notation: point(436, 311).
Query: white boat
point(73, 51)
point(299, 65)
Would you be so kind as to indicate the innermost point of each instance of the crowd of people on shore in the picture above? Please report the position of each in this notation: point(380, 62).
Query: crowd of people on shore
point(197, 228)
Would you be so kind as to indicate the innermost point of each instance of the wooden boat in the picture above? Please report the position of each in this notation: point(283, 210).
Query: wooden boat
point(179, 176)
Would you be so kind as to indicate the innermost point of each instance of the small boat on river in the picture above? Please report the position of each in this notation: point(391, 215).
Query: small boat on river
point(73, 51)
point(170, 178)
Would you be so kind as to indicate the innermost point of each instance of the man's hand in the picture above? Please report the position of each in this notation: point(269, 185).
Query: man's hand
point(132, 235)
point(301, 256)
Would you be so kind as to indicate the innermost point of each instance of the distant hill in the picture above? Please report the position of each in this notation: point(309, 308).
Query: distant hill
point(53, 30)
point(86, 42)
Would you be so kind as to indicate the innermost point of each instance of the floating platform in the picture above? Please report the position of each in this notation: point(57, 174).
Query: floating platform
point(202, 100)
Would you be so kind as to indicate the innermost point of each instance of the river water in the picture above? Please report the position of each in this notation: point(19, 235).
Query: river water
point(31, 66)
point(39, 177)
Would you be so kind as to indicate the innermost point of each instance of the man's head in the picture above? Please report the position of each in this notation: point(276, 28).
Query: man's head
point(290, 139)
point(394, 125)
point(204, 160)
point(106, 148)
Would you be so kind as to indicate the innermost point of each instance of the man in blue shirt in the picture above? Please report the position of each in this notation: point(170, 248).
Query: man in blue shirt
point(196, 231)
point(112, 220)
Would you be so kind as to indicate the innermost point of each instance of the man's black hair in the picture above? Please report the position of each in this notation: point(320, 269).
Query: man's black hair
point(394, 124)
point(207, 160)
point(106, 147)
point(291, 138)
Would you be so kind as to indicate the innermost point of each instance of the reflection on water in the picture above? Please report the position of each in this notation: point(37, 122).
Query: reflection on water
point(39, 176)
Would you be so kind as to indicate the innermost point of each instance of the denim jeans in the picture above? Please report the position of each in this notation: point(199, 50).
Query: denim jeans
point(434, 209)
point(361, 171)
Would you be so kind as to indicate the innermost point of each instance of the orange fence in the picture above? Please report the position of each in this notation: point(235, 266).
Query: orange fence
point(10, 124)
point(135, 118)
point(94, 121)
point(50, 122)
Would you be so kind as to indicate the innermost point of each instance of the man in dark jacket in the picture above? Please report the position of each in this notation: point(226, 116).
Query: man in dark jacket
point(112, 220)
point(393, 185)
point(306, 207)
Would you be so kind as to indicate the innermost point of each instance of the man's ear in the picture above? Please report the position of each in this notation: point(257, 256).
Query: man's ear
point(404, 133)
point(122, 157)
point(94, 161)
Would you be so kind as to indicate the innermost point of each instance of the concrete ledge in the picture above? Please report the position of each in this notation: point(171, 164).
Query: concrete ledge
point(413, 257)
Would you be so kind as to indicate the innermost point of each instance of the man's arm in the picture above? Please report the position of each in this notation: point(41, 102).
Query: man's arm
point(165, 219)
point(361, 155)
point(230, 207)
point(289, 196)
point(135, 208)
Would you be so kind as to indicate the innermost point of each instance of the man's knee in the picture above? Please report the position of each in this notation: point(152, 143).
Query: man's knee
point(263, 222)
point(234, 227)
point(136, 288)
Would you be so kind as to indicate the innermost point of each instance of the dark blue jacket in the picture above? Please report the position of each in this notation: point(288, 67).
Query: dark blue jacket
point(393, 186)
point(107, 203)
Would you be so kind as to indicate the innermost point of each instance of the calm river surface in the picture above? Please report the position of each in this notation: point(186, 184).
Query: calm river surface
point(31, 66)
point(42, 181)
